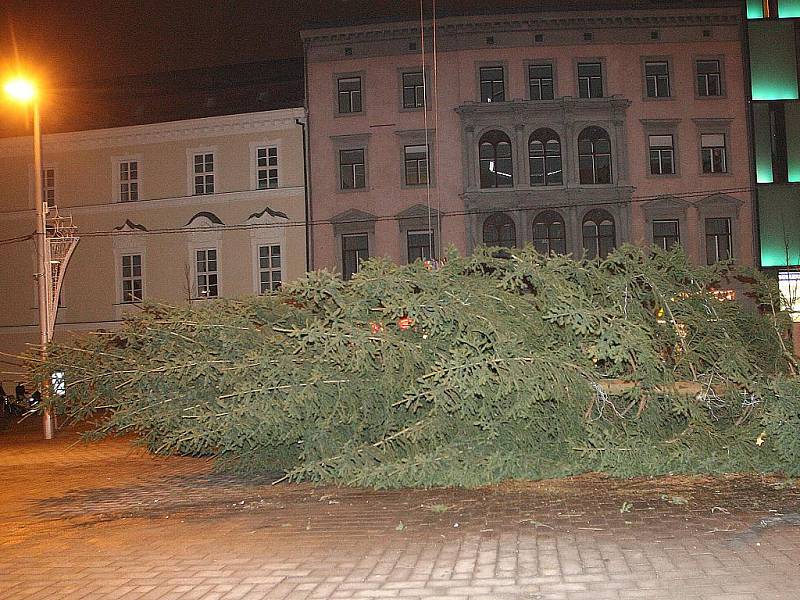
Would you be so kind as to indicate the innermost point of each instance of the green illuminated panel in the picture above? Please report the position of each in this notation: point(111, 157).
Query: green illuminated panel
point(779, 225)
point(763, 142)
point(786, 9)
point(755, 9)
point(773, 69)
point(792, 112)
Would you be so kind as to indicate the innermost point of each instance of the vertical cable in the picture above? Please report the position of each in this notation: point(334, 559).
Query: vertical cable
point(436, 129)
point(425, 120)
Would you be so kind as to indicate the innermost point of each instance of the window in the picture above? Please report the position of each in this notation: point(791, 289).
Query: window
point(416, 164)
point(662, 155)
point(656, 75)
point(540, 82)
point(132, 290)
point(666, 233)
point(49, 186)
point(499, 230)
point(204, 173)
point(413, 90)
point(713, 153)
point(709, 78)
point(349, 95)
point(599, 234)
point(266, 168)
point(269, 268)
point(493, 87)
point(352, 169)
point(549, 233)
point(206, 272)
point(496, 166)
point(544, 156)
point(590, 80)
point(355, 249)
point(129, 181)
point(421, 245)
point(719, 240)
point(594, 155)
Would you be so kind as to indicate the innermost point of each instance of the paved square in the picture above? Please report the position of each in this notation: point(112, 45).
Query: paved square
point(106, 520)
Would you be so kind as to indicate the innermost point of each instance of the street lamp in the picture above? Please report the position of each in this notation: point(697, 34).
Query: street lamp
point(24, 91)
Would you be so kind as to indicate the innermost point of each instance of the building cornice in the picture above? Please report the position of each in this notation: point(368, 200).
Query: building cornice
point(458, 26)
point(154, 133)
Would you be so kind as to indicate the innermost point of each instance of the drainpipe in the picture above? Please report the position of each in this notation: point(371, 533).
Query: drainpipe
point(306, 194)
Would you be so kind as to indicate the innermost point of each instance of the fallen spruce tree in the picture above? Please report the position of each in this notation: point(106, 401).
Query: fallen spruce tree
point(504, 364)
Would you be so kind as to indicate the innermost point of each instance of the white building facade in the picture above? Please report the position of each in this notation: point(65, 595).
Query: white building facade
point(175, 212)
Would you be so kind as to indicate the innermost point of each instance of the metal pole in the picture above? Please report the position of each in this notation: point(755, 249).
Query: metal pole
point(48, 423)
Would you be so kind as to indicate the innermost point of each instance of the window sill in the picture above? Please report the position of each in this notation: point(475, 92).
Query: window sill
point(353, 191)
point(657, 98)
point(339, 115)
point(649, 175)
point(725, 174)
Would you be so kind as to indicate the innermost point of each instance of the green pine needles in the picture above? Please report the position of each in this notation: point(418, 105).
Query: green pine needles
point(504, 364)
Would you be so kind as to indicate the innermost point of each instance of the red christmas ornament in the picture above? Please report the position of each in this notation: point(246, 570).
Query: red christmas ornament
point(405, 323)
point(375, 327)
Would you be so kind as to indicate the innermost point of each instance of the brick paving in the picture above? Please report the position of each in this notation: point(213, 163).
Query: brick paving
point(106, 520)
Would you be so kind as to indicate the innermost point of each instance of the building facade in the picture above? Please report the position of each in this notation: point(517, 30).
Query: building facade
point(574, 131)
point(174, 212)
point(772, 33)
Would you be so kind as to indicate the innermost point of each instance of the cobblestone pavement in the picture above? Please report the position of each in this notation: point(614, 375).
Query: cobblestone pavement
point(105, 520)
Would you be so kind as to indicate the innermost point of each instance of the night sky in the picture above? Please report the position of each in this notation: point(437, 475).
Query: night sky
point(91, 39)
point(77, 48)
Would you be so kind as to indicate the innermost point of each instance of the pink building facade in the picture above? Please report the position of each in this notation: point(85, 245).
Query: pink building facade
point(572, 131)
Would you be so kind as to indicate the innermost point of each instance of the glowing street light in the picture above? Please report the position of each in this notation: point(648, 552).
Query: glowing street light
point(20, 89)
point(23, 90)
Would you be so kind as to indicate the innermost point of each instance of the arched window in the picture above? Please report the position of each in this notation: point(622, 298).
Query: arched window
point(495, 158)
point(499, 230)
point(544, 156)
point(594, 155)
point(599, 233)
point(549, 233)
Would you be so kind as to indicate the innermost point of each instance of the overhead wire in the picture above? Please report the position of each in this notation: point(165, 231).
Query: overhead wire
point(382, 218)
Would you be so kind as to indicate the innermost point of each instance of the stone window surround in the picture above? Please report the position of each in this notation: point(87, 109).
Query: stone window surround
point(266, 236)
point(355, 141)
point(569, 163)
point(713, 126)
point(416, 137)
point(208, 238)
point(662, 127)
point(190, 154)
point(417, 220)
point(363, 223)
point(345, 75)
point(603, 74)
point(427, 79)
point(526, 158)
point(720, 206)
point(483, 64)
point(723, 82)
point(115, 176)
point(526, 76)
point(129, 243)
point(254, 168)
point(661, 58)
point(531, 218)
point(566, 116)
point(667, 208)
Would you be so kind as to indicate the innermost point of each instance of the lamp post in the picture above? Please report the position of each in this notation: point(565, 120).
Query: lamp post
point(23, 90)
